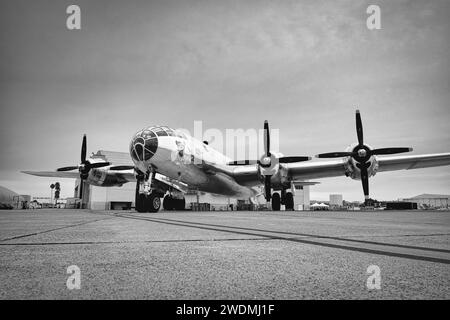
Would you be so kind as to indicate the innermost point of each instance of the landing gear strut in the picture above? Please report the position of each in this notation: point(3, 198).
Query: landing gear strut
point(146, 199)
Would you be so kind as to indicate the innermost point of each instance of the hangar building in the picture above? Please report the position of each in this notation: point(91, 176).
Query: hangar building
point(426, 201)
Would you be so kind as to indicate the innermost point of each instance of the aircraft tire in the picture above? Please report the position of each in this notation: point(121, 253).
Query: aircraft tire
point(152, 203)
point(180, 204)
point(140, 203)
point(275, 202)
point(289, 202)
point(168, 203)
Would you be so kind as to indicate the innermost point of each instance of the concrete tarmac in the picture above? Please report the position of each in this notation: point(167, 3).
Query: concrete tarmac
point(224, 255)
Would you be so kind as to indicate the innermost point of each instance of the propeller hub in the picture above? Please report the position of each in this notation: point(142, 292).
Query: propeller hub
point(265, 160)
point(362, 153)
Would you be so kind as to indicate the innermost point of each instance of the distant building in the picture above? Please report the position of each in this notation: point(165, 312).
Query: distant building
point(430, 201)
point(400, 205)
point(301, 198)
point(336, 200)
point(10, 199)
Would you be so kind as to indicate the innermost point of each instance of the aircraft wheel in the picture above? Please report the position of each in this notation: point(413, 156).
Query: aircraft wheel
point(152, 202)
point(140, 203)
point(180, 204)
point(168, 202)
point(275, 202)
point(289, 202)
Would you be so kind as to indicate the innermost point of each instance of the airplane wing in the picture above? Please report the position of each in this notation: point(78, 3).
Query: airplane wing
point(413, 162)
point(123, 177)
point(298, 172)
point(335, 168)
point(303, 171)
point(316, 169)
point(56, 174)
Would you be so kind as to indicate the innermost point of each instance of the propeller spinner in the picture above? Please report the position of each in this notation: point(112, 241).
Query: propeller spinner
point(362, 154)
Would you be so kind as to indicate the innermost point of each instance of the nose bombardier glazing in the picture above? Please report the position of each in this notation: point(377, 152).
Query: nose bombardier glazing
point(144, 144)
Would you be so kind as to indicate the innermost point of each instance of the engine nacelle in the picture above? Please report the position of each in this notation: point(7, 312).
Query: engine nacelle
point(274, 167)
point(352, 171)
point(102, 178)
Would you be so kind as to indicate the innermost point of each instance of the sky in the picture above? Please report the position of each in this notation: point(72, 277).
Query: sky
point(305, 66)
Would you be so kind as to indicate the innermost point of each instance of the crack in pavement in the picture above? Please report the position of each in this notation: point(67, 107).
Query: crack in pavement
point(51, 230)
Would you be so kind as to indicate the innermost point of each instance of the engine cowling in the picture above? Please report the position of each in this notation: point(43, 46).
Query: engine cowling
point(351, 169)
point(104, 178)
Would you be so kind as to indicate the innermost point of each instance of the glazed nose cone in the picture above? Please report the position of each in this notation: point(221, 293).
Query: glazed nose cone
point(143, 145)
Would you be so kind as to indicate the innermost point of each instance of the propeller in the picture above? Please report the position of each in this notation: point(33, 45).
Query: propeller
point(268, 161)
point(121, 168)
point(85, 166)
point(362, 154)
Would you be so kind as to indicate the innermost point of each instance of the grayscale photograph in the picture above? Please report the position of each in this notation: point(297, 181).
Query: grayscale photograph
point(225, 155)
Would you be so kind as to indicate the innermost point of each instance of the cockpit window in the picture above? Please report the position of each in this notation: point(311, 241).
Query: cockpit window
point(146, 134)
point(162, 133)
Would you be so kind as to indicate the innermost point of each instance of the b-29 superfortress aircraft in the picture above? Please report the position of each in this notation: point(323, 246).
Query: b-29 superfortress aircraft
point(168, 163)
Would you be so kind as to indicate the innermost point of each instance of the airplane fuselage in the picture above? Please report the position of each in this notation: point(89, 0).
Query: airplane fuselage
point(185, 159)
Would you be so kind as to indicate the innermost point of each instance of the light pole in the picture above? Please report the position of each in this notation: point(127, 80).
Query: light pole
point(52, 186)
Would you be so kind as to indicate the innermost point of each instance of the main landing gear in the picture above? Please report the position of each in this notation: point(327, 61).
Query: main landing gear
point(148, 203)
point(148, 199)
point(172, 203)
point(286, 199)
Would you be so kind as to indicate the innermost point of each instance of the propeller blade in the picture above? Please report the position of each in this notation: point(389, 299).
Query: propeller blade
point(83, 149)
point(267, 187)
point(67, 168)
point(266, 138)
point(364, 179)
point(99, 164)
point(242, 162)
point(293, 159)
point(335, 155)
point(81, 193)
point(390, 150)
point(359, 128)
point(120, 168)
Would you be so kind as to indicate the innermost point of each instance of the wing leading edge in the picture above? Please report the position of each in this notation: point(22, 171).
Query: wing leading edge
point(56, 174)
